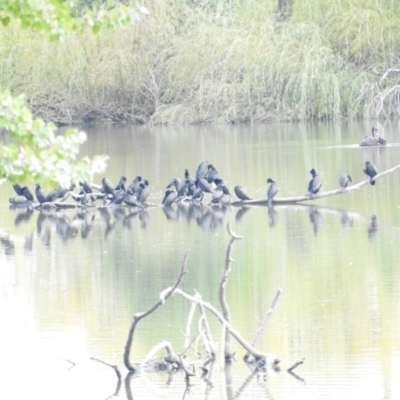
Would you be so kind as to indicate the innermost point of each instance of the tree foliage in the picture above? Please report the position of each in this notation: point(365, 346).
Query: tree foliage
point(36, 152)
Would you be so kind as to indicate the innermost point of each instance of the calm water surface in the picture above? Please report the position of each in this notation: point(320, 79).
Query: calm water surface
point(71, 281)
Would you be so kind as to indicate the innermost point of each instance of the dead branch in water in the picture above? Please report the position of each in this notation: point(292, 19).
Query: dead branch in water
point(137, 317)
point(299, 199)
point(264, 322)
point(239, 338)
point(222, 298)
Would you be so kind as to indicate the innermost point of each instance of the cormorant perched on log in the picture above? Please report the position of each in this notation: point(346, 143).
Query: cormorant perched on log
point(27, 193)
point(180, 186)
point(121, 184)
point(241, 193)
point(315, 183)
point(41, 197)
point(204, 185)
point(134, 186)
point(86, 186)
point(143, 192)
point(344, 180)
point(202, 170)
point(371, 171)
point(169, 198)
point(107, 186)
point(188, 178)
point(271, 191)
point(18, 189)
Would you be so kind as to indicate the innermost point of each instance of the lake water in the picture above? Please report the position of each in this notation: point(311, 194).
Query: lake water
point(71, 281)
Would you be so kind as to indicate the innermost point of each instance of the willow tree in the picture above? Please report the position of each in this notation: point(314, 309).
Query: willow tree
point(34, 151)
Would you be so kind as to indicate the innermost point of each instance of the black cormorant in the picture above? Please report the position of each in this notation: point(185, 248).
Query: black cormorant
point(41, 197)
point(344, 180)
point(371, 171)
point(315, 183)
point(271, 191)
point(204, 185)
point(121, 184)
point(241, 193)
point(18, 189)
point(202, 170)
point(27, 193)
point(86, 186)
point(107, 186)
point(169, 198)
point(143, 192)
point(134, 186)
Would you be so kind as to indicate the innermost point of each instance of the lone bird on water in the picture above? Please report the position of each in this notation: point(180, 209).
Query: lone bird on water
point(271, 191)
point(315, 183)
point(344, 180)
point(371, 171)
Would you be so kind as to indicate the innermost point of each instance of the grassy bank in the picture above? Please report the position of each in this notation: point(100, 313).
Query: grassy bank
point(215, 62)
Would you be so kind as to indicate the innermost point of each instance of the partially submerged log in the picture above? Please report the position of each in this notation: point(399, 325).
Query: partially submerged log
point(307, 197)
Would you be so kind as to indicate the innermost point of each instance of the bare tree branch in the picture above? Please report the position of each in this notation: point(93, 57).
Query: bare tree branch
point(256, 354)
point(137, 317)
point(298, 199)
point(264, 322)
point(222, 284)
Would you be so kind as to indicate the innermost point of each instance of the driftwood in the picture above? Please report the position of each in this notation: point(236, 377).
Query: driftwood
point(299, 199)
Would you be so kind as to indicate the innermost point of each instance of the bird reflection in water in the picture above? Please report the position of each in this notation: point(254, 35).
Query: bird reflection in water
point(23, 215)
point(346, 221)
point(373, 229)
point(316, 219)
point(272, 216)
point(8, 244)
point(241, 213)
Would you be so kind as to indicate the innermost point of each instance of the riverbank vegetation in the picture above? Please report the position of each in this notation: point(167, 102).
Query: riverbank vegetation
point(215, 62)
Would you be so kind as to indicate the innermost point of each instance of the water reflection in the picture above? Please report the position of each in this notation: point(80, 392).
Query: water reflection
point(373, 229)
point(71, 223)
point(316, 219)
point(272, 216)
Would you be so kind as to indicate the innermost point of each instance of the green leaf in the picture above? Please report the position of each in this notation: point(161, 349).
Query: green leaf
point(5, 21)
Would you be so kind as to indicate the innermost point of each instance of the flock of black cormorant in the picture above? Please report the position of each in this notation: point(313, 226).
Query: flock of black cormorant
point(206, 181)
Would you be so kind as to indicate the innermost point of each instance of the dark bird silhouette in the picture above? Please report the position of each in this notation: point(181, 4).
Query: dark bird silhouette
point(344, 180)
point(121, 184)
point(27, 193)
point(18, 189)
point(169, 198)
point(271, 191)
point(86, 186)
point(315, 183)
point(202, 170)
point(188, 178)
point(134, 186)
point(180, 186)
point(204, 185)
point(371, 171)
point(212, 174)
point(41, 197)
point(241, 193)
point(143, 192)
point(107, 186)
